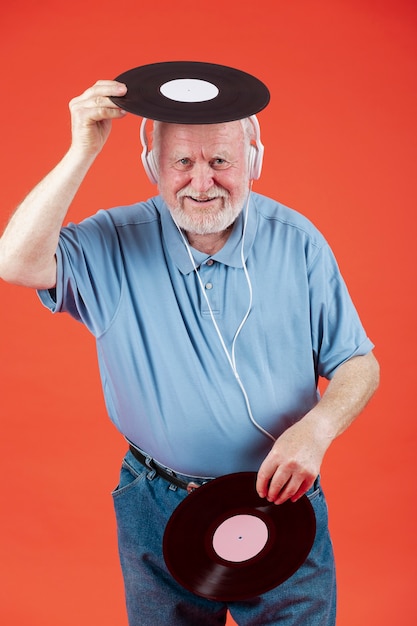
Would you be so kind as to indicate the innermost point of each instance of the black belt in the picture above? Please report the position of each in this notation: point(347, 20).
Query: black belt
point(172, 478)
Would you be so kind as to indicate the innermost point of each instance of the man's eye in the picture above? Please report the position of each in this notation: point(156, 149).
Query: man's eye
point(219, 163)
point(185, 161)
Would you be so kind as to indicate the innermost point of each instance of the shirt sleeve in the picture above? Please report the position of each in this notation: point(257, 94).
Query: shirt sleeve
point(337, 331)
point(89, 273)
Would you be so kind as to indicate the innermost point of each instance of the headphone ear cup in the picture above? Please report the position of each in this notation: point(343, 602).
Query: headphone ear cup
point(255, 162)
point(152, 166)
point(252, 161)
point(148, 160)
point(256, 151)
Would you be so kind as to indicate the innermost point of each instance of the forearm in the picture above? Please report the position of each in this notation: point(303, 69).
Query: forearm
point(295, 459)
point(347, 394)
point(29, 242)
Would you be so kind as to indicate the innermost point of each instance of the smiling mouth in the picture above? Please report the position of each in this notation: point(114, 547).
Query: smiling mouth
point(202, 200)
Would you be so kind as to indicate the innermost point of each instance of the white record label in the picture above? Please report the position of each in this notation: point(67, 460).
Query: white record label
point(189, 90)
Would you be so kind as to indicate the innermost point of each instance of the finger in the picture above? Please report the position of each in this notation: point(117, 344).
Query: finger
point(101, 107)
point(293, 490)
point(304, 487)
point(106, 88)
point(281, 488)
point(108, 83)
point(98, 96)
point(90, 112)
point(289, 482)
point(272, 476)
point(263, 477)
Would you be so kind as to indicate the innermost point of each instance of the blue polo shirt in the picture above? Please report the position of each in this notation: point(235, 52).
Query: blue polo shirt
point(168, 386)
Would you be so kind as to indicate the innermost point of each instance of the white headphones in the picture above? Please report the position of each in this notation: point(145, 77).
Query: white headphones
point(256, 153)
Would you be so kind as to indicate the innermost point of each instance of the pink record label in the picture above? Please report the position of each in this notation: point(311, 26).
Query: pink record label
point(240, 538)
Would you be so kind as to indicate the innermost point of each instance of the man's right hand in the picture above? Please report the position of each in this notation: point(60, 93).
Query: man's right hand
point(92, 114)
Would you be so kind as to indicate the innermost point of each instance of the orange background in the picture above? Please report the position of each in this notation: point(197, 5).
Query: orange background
point(340, 137)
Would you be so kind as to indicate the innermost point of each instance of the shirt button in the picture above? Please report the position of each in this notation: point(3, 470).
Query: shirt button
point(209, 286)
point(210, 262)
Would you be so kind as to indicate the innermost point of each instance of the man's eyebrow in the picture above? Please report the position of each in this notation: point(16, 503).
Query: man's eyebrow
point(219, 152)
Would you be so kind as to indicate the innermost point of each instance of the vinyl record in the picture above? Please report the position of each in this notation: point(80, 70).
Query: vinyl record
point(191, 92)
point(225, 543)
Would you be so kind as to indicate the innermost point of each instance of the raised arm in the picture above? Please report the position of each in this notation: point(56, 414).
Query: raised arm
point(295, 459)
point(29, 242)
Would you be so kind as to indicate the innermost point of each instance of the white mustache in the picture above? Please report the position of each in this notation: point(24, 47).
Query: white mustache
point(214, 192)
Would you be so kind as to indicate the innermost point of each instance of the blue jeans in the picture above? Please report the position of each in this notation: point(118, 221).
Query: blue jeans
point(143, 504)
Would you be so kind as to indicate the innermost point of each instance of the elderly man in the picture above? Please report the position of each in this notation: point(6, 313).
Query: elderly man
point(215, 311)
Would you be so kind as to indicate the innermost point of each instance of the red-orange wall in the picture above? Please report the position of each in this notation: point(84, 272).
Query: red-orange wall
point(340, 138)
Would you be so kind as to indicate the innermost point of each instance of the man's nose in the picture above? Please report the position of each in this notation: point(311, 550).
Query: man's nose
point(202, 177)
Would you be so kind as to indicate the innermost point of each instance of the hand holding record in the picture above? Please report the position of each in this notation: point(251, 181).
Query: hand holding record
point(225, 543)
point(91, 116)
point(293, 463)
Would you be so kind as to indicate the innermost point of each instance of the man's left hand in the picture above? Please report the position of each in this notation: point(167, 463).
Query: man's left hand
point(292, 465)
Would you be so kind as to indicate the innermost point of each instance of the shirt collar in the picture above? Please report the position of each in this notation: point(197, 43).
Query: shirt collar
point(230, 254)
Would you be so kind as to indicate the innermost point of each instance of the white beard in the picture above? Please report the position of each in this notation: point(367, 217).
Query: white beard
point(208, 221)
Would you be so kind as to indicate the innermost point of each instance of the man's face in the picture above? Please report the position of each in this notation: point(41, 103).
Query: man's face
point(203, 174)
